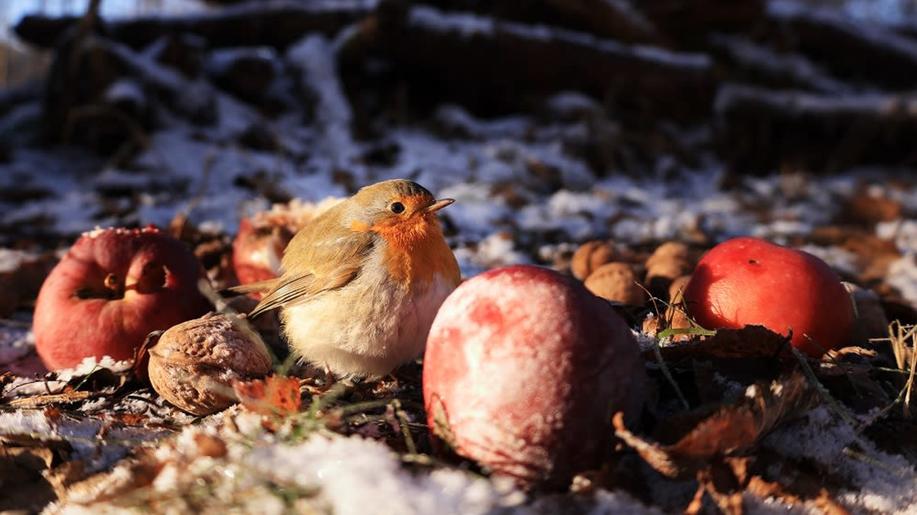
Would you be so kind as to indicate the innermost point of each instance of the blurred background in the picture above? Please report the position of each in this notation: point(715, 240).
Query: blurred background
point(552, 122)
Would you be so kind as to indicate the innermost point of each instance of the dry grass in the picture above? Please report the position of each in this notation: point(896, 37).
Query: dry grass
point(903, 340)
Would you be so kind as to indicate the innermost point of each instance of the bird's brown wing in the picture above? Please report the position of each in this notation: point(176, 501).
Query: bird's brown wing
point(314, 263)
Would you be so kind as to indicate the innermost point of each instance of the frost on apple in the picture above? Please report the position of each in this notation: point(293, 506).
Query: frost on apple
point(522, 371)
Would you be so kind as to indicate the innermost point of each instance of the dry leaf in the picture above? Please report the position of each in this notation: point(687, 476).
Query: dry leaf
point(751, 341)
point(209, 445)
point(274, 395)
point(728, 430)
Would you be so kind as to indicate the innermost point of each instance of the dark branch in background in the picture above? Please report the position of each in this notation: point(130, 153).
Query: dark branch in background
point(760, 130)
point(783, 83)
point(276, 24)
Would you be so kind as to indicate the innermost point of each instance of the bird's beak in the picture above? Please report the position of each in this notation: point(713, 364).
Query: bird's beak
point(439, 204)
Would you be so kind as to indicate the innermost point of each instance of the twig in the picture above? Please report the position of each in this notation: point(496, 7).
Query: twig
point(825, 394)
point(405, 428)
point(668, 374)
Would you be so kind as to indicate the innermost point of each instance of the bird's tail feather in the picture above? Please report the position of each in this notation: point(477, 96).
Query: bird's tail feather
point(257, 287)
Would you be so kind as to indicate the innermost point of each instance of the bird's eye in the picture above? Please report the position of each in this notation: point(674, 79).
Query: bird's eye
point(397, 207)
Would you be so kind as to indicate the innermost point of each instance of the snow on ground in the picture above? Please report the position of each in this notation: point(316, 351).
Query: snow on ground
point(261, 472)
point(885, 483)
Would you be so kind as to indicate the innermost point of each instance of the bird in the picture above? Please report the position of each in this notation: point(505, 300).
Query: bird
point(360, 285)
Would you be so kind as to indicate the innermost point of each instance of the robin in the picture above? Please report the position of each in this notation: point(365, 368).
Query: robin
point(360, 285)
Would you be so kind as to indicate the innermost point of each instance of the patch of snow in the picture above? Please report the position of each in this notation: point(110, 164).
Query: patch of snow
point(126, 91)
point(496, 250)
point(24, 422)
point(357, 476)
point(838, 258)
point(475, 213)
point(579, 215)
point(454, 118)
point(902, 275)
point(15, 343)
point(90, 364)
point(881, 482)
point(902, 232)
point(314, 57)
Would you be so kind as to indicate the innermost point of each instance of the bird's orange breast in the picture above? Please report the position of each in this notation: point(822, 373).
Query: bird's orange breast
point(416, 251)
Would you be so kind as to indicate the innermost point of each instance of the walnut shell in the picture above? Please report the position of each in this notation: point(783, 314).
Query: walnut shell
point(668, 251)
point(194, 363)
point(591, 255)
point(617, 282)
point(669, 261)
point(677, 289)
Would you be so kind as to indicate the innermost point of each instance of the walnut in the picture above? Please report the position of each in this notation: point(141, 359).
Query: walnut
point(617, 282)
point(193, 364)
point(668, 250)
point(591, 255)
point(669, 261)
point(677, 289)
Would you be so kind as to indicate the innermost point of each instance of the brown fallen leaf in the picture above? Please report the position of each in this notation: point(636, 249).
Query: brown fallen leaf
point(770, 489)
point(129, 476)
point(726, 481)
point(209, 445)
point(751, 341)
point(729, 430)
point(274, 395)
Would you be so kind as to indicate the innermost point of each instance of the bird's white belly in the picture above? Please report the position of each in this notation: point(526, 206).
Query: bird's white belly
point(366, 328)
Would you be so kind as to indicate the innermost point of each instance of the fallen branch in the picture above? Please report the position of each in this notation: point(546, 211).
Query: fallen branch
point(492, 65)
point(750, 61)
point(616, 19)
point(759, 130)
point(275, 23)
point(872, 53)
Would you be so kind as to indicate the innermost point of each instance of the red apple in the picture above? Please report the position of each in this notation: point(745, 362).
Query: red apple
point(523, 371)
point(112, 288)
point(262, 238)
point(748, 281)
point(256, 252)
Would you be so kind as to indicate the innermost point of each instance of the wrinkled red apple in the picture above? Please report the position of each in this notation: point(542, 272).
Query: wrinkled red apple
point(523, 371)
point(748, 281)
point(262, 238)
point(256, 252)
point(112, 288)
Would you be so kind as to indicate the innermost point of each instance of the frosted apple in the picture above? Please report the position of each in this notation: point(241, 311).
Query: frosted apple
point(112, 288)
point(523, 371)
point(258, 246)
point(748, 281)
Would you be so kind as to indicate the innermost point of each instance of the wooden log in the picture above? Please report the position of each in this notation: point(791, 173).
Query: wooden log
point(689, 23)
point(748, 61)
point(495, 66)
point(871, 53)
point(615, 19)
point(760, 130)
point(277, 24)
point(80, 105)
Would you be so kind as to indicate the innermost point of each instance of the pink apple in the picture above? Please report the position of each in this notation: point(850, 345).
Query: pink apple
point(523, 371)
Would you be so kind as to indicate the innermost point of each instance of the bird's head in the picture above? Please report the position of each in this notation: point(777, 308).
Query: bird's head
point(397, 205)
